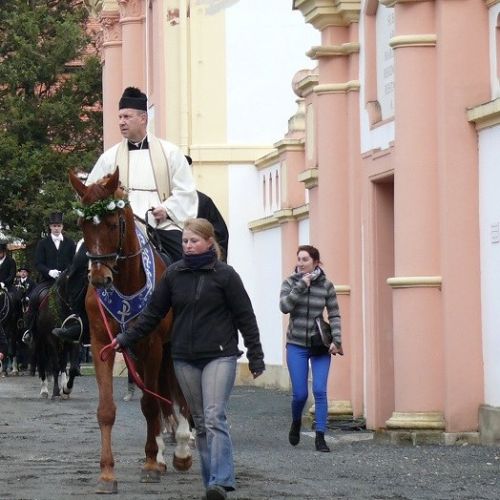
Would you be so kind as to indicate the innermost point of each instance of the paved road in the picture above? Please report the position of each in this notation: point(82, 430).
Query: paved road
point(49, 450)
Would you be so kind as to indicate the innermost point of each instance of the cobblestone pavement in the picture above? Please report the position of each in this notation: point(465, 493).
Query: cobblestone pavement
point(49, 450)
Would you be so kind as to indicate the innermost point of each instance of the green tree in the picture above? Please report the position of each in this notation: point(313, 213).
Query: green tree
point(50, 111)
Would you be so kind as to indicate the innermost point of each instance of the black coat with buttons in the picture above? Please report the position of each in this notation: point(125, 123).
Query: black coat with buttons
point(209, 305)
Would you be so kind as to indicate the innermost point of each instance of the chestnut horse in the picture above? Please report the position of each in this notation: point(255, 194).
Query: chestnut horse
point(123, 264)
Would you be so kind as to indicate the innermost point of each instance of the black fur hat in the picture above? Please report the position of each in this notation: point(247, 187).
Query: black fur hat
point(133, 98)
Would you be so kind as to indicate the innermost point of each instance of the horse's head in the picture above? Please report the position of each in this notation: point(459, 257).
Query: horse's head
point(103, 214)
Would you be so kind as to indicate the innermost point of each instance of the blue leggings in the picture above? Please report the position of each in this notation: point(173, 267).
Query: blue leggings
point(297, 359)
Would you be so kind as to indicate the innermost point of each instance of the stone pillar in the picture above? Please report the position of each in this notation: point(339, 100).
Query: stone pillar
point(417, 321)
point(132, 20)
point(111, 75)
point(330, 199)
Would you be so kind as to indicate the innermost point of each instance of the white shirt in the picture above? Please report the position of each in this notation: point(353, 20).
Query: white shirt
point(57, 240)
point(182, 204)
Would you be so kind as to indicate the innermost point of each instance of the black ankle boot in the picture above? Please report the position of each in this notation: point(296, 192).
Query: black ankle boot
point(294, 434)
point(320, 442)
point(70, 333)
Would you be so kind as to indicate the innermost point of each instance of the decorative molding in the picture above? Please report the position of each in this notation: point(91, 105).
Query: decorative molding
point(343, 289)
point(111, 27)
point(415, 282)
point(268, 160)
point(337, 88)
point(131, 8)
point(428, 40)
point(226, 153)
point(336, 408)
point(324, 13)
point(485, 115)
point(306, 86)
point(421, 420)
point(345, 49)
point(278, 218)
point(309, 177)
point(392, 3)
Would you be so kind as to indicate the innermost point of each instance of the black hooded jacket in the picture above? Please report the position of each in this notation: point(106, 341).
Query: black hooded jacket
point(210, 305)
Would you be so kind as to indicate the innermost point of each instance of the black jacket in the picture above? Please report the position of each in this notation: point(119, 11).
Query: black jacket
point(48, 257)
point(210, 305)
point(8, 271)
point(208, 210)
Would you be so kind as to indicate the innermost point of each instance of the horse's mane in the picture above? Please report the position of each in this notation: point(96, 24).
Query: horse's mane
point(97, 191)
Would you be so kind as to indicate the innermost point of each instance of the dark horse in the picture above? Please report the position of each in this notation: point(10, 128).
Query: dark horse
point(11, 316)
point(119, 265)
point(51, 354)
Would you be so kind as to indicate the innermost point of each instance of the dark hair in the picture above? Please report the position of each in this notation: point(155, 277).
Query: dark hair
point(204, 229)
point(312, 251)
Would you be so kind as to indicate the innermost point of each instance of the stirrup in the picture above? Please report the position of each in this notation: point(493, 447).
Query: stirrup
point(27, 337)
point(74, 317)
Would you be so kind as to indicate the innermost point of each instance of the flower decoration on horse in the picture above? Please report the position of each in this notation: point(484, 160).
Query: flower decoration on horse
point(99, 209)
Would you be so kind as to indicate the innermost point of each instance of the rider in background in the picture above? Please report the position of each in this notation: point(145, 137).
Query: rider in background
point(53, 255)
point(7, 267)
point(23, 280)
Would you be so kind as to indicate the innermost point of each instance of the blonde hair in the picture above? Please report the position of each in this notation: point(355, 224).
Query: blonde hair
point(204, 229)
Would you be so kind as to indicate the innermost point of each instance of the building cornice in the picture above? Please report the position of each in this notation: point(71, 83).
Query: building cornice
point(323, 13)
point(337, 88)
point(345, 49)
point(423, 40)
point(306, 86)
point(309, 177)
point(415, 282)
point(278, 218)
point(227, 153)
point(392, 3)
point(485, 115)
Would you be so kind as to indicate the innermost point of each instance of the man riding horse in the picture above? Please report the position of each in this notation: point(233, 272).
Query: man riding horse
point(52, 256)
point(155, 174)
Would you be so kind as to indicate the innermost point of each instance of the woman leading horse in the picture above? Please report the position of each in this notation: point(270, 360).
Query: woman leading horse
point(123, 269)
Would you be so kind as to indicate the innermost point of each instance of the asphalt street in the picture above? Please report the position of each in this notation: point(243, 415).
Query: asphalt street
point(49, 450)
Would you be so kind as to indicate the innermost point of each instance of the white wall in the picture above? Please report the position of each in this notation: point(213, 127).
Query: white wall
point(380, 136)
point(489, 219)
point(267, 252)
point(266, 42)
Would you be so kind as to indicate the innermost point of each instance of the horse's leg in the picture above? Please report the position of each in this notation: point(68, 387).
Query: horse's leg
point(182, 454)
point(106, 413)
point(41, 360)
point(74, 353)
point(170, 388)
point(151, 410)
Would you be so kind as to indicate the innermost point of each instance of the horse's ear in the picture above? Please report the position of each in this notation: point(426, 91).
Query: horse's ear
point(77, 184)
point(114, 181)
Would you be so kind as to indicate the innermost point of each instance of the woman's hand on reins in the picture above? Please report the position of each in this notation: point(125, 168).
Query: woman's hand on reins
point(116, 345)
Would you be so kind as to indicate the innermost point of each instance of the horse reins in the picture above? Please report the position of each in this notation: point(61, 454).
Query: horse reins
point(118, 254)
point(107, 349)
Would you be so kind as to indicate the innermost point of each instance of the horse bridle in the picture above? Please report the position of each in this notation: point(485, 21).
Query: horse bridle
point(118, 255)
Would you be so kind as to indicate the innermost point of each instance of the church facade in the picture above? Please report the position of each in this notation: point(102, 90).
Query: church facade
point(370, 129)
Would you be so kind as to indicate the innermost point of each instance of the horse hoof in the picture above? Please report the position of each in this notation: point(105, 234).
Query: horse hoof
point(150, 476)
point(163, 467)
point(44, 395)
point(182, 464)
point(106, 487)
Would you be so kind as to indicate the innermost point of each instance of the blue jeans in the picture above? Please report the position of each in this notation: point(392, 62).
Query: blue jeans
point(297, 359)
point(207, 386)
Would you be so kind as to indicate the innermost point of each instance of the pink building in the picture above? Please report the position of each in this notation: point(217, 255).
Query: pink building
point(388, 167)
